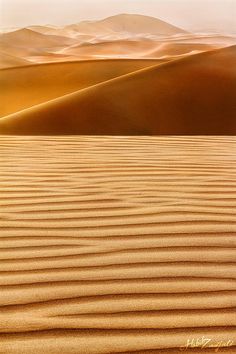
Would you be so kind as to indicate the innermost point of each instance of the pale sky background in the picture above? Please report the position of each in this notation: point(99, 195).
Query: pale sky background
point(195, 15)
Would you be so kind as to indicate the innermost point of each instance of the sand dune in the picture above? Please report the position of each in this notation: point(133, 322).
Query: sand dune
point(133, 48)
point(130, 23)
point(123, 36)
point(175, 49)
point(115, 27)
point(112, 48)
point(210, 39)
point(24, 42)
point(7, 61)
point(43, 29)
point(195, 95)
point(117, 244)
point(33, 85)
point(49, 57)
point(29, 38)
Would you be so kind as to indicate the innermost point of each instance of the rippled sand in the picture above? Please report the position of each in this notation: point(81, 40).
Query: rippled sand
point(117, 244)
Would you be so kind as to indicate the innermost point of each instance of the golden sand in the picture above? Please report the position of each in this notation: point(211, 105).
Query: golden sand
point(117, 244)
point(122, 244)
point(194, 95)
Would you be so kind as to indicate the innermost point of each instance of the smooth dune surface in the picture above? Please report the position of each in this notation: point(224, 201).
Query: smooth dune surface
point(134, 48)
point(117, 244)
point(35, 84)
point(7, 61)
point(131, 23)
point(44, 29)
point(26, 37)
point(121, 36)
point(193, 95)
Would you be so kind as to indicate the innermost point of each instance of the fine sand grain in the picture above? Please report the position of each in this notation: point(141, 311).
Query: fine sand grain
point(117, 244)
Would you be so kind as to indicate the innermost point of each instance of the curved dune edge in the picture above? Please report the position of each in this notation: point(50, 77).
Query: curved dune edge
point(25, 42)
point(140, 48)
point(48, 43)
point(194, 95)
point(9, 61)
point(39, 83)
point(117, 244)
point(123, 36)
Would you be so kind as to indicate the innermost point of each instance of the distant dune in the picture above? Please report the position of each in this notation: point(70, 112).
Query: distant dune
point(29, 38)
point(131, 23)
point(112, 48)
point(29, 42)
point(118, 25)
point(7, 61)
point(134, 48)
point(43, 29)
point(195, 95)
point(121, 36)
point(69, 31)
point(211, 39)
point(175, 49)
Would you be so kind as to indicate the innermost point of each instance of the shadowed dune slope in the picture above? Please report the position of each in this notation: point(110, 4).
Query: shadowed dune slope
point(195, 95)
point(24, 87)
point(117, 244)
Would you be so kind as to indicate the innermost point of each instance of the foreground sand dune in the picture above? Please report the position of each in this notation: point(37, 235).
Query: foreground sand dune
point(194, 95)
point(28, 86)
point(117, 244)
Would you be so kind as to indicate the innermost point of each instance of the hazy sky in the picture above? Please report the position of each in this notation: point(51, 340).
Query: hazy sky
point(189, 14)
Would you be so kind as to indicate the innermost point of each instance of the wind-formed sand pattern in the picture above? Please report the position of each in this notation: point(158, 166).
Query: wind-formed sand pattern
point(116, 244)
point(117, 189)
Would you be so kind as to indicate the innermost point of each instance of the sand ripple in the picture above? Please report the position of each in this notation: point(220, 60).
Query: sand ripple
point(117, 244)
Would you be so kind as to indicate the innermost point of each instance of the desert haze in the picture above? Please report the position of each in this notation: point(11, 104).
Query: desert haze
point(117, 188)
